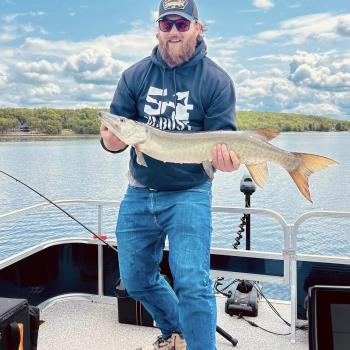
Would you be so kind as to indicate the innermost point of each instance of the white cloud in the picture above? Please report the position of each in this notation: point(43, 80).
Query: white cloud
point(343, 100)
point(271, 58)
point(320, 109)
point(11, 28)
point(3, 80)
point(9, 18)
point(295, 6)
point(40, 72)
point(95, 66)
point(89, 93)
point(63, 73)
point(264, 91)
point(41, 66)
point(9, 32)
point(223, 51)
point(32, 78)
point(270, 35)
point(263, 4)
point(154, 15)
point(305, 82)
point(320, 71)
point(273, 91)
point(135, 44)
point(12, 17)
point(299, 30)
point(46, 91)
point(27, 28)
point(7, 35)
point(343, 26)
point(66, 73)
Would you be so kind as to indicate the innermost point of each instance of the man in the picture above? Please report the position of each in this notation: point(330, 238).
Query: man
point(177, 88)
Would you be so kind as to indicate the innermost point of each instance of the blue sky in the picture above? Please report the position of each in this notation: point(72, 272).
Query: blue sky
point(284, 56)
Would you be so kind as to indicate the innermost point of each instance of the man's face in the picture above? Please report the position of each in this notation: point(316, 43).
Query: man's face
point(178, 47)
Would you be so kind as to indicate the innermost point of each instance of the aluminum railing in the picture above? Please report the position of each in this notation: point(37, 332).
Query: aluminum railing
point(288, 250)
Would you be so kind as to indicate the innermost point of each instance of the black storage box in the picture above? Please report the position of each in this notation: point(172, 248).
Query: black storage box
point(14, 324)
point(131, 311)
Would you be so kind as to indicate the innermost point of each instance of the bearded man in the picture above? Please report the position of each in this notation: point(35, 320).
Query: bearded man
point(177, 88)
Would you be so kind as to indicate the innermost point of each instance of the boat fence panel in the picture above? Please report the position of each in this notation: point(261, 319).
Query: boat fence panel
point(99, 279)
point(314, 269)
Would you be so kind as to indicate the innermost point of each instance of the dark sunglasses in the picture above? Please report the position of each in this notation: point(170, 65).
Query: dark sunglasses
point(182, 25)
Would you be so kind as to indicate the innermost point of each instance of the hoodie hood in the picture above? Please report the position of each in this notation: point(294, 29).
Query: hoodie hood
point(200, 52)
point(156, 58)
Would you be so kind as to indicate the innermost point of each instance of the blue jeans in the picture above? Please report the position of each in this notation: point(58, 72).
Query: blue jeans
point(145, 218)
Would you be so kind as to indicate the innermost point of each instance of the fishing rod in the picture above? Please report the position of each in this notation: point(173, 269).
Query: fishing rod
point(62, 210)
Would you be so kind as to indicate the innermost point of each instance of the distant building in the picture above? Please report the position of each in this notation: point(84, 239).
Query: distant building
point(25, 128)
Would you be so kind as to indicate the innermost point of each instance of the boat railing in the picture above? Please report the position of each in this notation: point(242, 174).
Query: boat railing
point(288, 253)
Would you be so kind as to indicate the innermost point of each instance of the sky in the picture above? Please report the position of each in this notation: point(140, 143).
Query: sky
point(283, 56)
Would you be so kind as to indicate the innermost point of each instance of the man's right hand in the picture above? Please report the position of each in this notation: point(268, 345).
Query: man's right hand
point(111, 142)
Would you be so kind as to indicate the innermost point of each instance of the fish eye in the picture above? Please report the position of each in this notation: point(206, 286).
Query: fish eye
point(122, 120)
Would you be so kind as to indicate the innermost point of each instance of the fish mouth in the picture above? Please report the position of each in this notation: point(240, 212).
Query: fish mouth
point(110, 122)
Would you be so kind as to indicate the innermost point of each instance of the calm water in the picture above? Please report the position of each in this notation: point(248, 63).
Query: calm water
point(80, 169)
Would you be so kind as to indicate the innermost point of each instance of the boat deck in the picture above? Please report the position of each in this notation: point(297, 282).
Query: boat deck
point(73, 324)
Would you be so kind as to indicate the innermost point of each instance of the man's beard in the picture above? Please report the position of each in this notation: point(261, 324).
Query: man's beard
point(175, 58)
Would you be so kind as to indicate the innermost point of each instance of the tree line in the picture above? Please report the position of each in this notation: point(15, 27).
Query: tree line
point(50, 121)
point(84, 121)
point(290, 122)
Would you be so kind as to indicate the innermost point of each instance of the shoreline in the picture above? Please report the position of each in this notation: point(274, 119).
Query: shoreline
point(28, 135)
point(18, 136)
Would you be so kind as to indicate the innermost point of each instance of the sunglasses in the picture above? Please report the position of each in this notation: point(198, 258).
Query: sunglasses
point(182, 25)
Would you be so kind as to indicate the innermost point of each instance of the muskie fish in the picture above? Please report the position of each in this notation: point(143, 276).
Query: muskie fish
point(251, 146)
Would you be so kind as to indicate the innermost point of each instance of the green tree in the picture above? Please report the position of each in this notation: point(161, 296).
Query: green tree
point(7, 124)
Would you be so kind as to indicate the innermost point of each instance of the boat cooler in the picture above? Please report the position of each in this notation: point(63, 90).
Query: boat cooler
point(131, 311)
point(14, 324)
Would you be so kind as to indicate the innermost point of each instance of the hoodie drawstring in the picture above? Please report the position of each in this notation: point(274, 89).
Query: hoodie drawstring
point(163, 86)
point(175, 88)
point(161, 102)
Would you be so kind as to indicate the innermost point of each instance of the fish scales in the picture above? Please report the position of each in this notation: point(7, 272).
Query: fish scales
point(196, 147)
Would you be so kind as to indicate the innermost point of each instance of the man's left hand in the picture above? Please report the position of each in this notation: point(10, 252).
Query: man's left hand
point(223, 159)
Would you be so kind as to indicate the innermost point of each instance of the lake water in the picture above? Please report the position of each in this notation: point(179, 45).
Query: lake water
point(80, 169)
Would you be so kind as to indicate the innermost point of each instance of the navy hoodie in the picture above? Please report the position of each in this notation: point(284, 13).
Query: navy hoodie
point(195, 96)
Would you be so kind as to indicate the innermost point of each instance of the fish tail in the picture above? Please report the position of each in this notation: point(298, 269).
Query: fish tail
point(309, 164)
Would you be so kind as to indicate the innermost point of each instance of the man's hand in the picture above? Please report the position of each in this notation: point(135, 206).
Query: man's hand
point(110, 140)
point(224, 160)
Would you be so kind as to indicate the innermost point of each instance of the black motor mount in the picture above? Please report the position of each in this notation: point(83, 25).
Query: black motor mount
point(243, 300)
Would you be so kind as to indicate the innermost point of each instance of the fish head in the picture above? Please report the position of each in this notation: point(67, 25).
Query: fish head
point(127, 130)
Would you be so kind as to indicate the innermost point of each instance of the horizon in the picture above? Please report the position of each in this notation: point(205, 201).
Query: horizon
point(284, 57)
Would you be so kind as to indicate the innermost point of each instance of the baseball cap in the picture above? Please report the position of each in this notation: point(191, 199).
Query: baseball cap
point(184, 8)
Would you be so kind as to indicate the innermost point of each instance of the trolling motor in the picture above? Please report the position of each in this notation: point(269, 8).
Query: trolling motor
point(247, 187)
point(243, 297)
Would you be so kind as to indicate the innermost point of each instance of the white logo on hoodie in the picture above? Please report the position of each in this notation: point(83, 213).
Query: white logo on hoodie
point(156, 107)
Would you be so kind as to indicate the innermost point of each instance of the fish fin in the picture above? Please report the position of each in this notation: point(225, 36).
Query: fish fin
point(208, 168)
point(140, 158)
point(267, 134)
point(309, 164)
point(259, 173)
